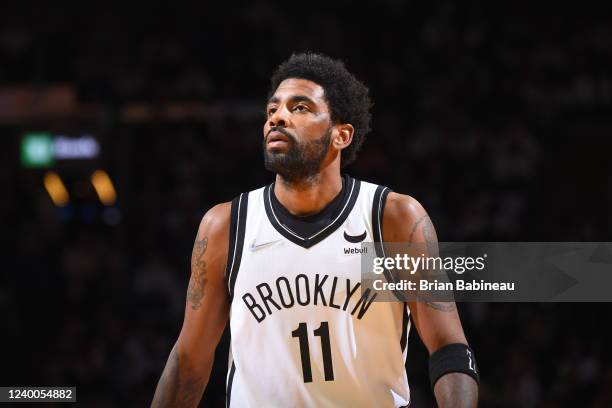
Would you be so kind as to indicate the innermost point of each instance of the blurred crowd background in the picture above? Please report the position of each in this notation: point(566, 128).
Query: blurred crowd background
point(496, 117)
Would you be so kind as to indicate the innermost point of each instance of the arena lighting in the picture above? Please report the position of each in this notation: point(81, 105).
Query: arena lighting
point(67, 148)
point(37, 150)
point(56, 189)
point(42, 149)
point(104, 187)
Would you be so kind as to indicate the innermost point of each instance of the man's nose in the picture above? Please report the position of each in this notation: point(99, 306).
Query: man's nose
point(278, 118)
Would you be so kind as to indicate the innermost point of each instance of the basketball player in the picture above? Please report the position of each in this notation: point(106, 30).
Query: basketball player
point(273, 261)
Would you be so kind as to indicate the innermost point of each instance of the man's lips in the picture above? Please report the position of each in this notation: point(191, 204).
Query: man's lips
point(277, 138)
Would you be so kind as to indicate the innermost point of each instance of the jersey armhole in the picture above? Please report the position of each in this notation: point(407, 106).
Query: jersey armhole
point(378, 208)
point(236, 240)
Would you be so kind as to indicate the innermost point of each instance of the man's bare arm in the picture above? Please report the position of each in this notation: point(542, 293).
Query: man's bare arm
point(187, 371)
point(437, 323)
point(456, 390)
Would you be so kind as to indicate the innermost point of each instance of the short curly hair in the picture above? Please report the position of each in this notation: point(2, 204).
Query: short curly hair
point(347, 98)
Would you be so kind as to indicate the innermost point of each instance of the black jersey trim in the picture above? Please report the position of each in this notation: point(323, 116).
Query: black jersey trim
point(378, 209)
point(232, 237)
point(236, 241)
point(307, 242)
point(230, 382)
point(405, 323)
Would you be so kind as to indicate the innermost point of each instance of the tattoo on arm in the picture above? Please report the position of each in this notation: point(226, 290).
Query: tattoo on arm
point(197, 282)
point(415, 226)
point(441, 306)
point(431, 241)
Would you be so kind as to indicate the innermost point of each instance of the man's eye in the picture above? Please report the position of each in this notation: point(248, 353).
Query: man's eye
point(271, 111)
point(300, 108)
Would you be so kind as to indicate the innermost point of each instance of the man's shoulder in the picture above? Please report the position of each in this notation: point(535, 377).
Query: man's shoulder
point(403, 206)
point(403, 215)
point(219, 211)
point(216, 220)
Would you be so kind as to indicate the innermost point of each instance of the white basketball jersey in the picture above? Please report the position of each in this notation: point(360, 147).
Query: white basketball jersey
point(303, 333)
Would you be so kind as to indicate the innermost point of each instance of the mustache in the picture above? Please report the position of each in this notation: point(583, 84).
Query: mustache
point(281, 130)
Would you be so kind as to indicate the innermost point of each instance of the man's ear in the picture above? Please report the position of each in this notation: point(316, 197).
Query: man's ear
point(343, 136)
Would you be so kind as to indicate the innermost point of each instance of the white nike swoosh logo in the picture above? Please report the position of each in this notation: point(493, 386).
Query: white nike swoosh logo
point(254, 247)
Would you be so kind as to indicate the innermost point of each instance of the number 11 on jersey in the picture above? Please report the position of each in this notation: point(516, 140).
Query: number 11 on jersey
point(302, 334)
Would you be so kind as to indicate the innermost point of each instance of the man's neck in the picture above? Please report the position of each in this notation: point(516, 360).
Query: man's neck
point(307, 197)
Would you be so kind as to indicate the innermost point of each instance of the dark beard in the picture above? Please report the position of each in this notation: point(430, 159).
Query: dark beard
point(302, 161)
